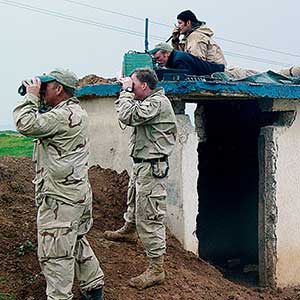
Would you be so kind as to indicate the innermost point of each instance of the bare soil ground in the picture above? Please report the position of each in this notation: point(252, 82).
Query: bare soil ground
point(188, 277)
point(94, 79)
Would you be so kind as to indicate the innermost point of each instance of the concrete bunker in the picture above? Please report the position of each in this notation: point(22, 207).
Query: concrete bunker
point(234, 190)
point(228, 184)
point(232, 168)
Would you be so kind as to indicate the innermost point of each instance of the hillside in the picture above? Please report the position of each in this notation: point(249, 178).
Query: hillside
point(188, 278)
point(14, 144)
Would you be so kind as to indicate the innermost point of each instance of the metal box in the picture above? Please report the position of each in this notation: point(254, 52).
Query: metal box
point(133, 60)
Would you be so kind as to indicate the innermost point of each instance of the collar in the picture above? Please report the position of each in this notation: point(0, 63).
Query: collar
point(193, 28)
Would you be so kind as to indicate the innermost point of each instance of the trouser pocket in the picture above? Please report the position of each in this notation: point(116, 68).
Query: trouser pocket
point(56, 240)
point(155, 203)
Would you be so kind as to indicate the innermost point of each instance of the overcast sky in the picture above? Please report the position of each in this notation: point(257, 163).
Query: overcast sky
point(33, 42)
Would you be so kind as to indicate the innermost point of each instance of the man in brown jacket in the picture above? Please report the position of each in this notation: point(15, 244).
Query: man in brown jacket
point(197, 38)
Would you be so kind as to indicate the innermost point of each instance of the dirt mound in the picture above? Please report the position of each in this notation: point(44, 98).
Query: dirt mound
point(94, 79)
point(187, 276)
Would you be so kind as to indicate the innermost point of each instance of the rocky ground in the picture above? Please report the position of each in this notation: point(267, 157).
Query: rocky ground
point(188, 278)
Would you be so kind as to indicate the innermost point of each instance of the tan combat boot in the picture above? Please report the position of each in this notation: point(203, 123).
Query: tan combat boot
point(155, 274)
point(127, 233)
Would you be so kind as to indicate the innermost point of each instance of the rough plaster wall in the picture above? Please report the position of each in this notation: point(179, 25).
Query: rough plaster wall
point(288, 203)
point(268, 212)
point(189, 141)
point(183, 198)
point(109, 144)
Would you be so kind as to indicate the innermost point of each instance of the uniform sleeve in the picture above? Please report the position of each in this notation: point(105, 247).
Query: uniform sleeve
point(133, 113)
point(198, 46)
point(31, 123)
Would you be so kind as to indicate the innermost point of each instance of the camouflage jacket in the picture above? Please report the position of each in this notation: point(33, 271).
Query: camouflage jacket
point(199, 42)
point(154, 124)
point(61, 148)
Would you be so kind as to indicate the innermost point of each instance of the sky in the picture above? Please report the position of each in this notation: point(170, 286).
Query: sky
point(91, 37)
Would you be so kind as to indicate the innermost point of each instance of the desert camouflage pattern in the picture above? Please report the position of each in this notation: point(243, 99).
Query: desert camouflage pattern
point(60, 149)
point(293, 71)
point(146, 207)
point(63, 249)
point(63, 193)
point(239, 73)
point(153, 136)
point(200, 43)
point(154, 124)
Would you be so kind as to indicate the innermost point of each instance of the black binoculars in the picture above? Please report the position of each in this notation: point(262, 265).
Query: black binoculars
point(22, 89)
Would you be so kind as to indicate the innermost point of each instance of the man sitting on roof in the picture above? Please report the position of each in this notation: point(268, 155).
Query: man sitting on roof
point(175, 59)
point(197, 38)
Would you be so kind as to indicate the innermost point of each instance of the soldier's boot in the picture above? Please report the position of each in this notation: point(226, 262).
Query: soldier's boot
point(96, 294)
point(127, 233)
point(155, 274)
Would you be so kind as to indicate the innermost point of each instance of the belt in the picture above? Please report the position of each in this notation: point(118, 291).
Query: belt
point(150, 160)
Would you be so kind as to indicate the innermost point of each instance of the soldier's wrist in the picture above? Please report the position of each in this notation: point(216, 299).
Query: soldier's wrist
point(127, 89)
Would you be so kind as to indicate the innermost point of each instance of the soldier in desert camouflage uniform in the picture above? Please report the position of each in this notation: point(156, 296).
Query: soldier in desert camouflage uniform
point(145, 107)
point(63, 191)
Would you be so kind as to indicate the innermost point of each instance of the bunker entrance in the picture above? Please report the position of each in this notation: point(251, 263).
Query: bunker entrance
point(228, 187)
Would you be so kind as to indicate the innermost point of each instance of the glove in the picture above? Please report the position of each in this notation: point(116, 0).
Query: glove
point(175, 34)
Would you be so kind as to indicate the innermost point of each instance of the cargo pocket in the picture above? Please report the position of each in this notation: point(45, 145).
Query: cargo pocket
point(156, 203)
point(57, 241)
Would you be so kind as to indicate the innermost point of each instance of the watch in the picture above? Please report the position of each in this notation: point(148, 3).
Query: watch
point(129, 89)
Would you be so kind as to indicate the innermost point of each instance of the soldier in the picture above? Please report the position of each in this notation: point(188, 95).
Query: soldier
point(174, 59)
point(145, 107)
point(63, 191)
point(197, 38)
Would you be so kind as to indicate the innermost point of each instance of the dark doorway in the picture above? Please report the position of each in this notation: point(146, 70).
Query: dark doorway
point(227, 222)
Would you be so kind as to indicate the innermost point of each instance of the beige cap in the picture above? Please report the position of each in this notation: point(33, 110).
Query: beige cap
point(161, 46)
point(63, 76)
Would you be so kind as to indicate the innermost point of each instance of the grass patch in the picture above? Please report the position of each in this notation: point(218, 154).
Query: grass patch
point(25, 247)
point(14, 144)
point(4, 296)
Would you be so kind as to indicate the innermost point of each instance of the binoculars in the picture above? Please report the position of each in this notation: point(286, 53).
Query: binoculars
point(22, 89)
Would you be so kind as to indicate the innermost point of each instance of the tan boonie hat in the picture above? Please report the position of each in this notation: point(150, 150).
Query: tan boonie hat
point(161, 46)
point(63, 76)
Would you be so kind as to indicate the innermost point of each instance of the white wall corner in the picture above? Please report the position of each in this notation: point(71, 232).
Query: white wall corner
point(186, 169)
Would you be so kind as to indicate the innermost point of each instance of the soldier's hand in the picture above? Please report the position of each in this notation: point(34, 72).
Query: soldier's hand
point(126, 82)
point(33, 86)
point(176, 33)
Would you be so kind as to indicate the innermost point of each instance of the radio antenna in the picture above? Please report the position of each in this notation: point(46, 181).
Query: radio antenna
point(146, 35)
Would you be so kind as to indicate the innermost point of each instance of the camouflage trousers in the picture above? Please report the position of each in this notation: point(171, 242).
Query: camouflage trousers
point(63, 249)
point(292, 71)
point(238, 73)
point(146, 206)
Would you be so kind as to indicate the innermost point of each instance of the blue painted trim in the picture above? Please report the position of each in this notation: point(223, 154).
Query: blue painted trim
point(101, 90)
point(276, 91)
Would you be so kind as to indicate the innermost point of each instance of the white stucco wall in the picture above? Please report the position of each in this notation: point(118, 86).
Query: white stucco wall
point(108, 142)
point(109, 149)
point(183, 200)
point(288, 204)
